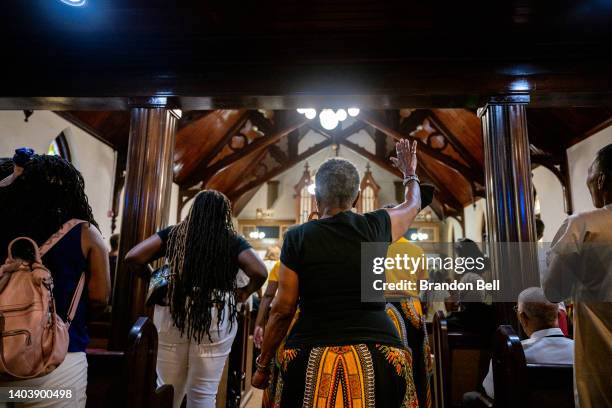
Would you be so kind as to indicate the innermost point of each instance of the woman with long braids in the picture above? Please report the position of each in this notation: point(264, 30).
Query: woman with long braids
point(38, 195)
point(197, 328)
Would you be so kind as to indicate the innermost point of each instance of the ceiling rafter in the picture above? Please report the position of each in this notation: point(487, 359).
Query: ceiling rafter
point(467, 172)
point(456, 144)
point(254, 146)
point(189, 117)
point(279, 170)
point(200, 173)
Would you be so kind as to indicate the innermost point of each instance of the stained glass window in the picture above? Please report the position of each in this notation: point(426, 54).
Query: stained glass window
point(59, 147)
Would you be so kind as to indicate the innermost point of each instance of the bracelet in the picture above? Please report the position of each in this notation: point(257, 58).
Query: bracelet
point(262, 367)
point(409, 178)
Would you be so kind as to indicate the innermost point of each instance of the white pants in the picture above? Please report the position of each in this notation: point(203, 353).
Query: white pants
point(72, 373)
point(193, 369)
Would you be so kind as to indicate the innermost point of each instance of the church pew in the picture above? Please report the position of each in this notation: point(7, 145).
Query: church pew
point(235, 388)
point(527, 385)
point(128, 378)
point(461, 360)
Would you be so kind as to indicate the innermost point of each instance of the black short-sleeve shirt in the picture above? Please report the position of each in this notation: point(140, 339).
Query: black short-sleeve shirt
point(326, 255)
point(240, 244)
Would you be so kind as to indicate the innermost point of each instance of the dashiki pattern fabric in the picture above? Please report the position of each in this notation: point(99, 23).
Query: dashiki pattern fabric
point(342, 374)
point(348, 376)
point(415, 333)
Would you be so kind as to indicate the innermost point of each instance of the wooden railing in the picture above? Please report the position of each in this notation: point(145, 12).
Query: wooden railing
point(128, 378)
point(461, 360)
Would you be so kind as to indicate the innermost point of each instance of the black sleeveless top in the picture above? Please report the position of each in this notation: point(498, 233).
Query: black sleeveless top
point(66, 263)
point(326, 255)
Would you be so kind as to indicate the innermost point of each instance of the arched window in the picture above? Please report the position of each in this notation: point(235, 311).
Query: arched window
point(368, 200)
point(59, 147)
point(304, 195)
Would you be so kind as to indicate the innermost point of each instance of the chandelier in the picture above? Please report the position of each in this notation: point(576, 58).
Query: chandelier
point(328, 117)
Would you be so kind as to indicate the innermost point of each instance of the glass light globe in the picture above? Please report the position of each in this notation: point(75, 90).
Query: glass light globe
point(353, 112)
point(262, 235)
point(413, 236)
point(311, 189)
point(341, 115)
point(425, 236)
point(310, 113)
point(328, 119)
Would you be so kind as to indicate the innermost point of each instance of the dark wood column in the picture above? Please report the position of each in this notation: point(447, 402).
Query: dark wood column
point(146, 204)
point(510, 212)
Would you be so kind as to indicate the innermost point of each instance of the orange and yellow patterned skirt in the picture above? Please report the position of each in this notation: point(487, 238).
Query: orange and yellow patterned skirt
point(348, 376)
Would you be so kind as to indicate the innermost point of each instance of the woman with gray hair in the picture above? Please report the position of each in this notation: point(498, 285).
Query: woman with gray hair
point(341, 351)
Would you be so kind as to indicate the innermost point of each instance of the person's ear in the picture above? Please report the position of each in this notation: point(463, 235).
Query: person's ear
point(356, 199)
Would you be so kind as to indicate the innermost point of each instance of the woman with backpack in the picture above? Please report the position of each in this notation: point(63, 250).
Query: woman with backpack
point(44, 197)
point(197, 328)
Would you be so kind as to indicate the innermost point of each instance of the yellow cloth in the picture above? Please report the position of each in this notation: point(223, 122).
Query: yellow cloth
point(273, 275)
point(400, 247)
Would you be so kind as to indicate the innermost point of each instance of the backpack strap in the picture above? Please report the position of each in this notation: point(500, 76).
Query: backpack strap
point(55, 238)
point(76, 298)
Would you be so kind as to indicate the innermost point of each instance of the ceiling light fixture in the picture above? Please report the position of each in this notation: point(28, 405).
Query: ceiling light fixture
point(74, 3)
point(328, 118)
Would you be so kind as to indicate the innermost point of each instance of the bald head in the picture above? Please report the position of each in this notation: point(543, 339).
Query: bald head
point(535, 311)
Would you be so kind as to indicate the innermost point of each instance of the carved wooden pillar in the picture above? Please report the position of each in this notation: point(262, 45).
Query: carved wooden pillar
point(510, 211)
point(146, 204)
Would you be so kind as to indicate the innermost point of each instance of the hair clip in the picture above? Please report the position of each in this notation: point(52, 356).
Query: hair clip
point(22, 156)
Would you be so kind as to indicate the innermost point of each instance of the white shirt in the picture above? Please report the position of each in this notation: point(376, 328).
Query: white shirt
point(580, 264)
point(540, 349)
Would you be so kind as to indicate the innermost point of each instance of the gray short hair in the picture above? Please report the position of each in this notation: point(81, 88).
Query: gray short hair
point(337, 182)
point(536, 306)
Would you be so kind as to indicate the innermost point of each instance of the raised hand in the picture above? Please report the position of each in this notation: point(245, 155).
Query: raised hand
point(406, 160)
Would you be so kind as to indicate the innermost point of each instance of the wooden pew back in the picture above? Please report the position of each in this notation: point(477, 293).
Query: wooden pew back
point(461, 360)
point(528, 385)
point(128, 378)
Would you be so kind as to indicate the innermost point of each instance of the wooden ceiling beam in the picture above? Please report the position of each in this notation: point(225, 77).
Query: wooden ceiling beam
point(415, 119)
point(456, 144)
point(255, 146)
point(200, 172)
point(465, 171)
point(70, 117)
point(190, 117)
point(279, 170)
point(248, 170)
point(447, 196)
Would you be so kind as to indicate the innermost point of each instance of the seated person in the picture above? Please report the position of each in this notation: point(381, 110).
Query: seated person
point(546, 343)
point(471, 311)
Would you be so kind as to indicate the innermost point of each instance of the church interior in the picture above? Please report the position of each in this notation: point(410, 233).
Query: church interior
point(154, 102)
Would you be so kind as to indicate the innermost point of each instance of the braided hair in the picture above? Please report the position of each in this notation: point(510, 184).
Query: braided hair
point(203, 266)
point(49, 192)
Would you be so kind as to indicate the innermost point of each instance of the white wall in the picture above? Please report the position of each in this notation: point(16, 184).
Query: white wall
point(580, 157)
point(550, 196)
point(474, 215)
point(449, 225)
point(92, 158)
point(284, 208)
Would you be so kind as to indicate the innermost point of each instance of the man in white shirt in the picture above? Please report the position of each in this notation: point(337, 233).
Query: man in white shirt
point(580, 265)
point(546, 343)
